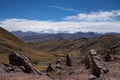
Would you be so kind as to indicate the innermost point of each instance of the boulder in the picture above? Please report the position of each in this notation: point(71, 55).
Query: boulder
point(68, 60)
point(107, 57)
point(97, 64)
point(22, 62)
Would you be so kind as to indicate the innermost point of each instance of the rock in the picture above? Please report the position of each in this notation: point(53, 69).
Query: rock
point(107, 57)
point(50, 68)
point(39, 72)
point(22, 62)
point(97, 64)
point(87, 62)
point(59, 65)
point(9, 68)
point(17, 59)
point(1, 68)
point(68, 60)
point(92, 77)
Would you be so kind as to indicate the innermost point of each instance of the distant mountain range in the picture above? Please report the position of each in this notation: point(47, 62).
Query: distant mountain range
point(46, 35)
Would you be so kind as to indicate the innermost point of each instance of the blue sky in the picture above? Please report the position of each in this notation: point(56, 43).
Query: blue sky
point(66, 15)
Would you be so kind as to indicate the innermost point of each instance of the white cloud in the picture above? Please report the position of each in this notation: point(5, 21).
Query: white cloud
point(63, 8)
point(37, 26)
point(100, 16)
point(107, 21)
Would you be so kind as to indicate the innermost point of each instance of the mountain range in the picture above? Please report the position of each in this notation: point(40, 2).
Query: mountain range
point(30, 36)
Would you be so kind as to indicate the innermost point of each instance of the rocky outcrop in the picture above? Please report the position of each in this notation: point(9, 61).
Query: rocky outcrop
point(97, 64)
point(22, 62)
point(59, 65)
point(68, 60)
point(107, 57)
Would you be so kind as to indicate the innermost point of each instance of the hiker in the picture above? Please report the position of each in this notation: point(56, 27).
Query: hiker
point(87, 62)
point(68, 60)
point(50, 68)
point(97, 64)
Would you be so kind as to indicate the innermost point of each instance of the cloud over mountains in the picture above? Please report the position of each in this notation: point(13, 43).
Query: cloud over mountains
point(101, 21)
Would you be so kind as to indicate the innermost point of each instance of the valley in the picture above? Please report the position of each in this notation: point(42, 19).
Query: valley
point(41, 53)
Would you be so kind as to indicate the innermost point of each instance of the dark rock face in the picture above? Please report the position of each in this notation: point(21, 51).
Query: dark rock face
point(17, 59)
point(22, 62)
point(68, 60)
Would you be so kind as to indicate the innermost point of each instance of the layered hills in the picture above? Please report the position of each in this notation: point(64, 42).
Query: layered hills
point(79, 46)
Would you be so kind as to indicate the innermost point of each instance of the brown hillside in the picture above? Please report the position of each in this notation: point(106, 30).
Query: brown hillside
point(102, 43)
point(9, 42)
point(80, 46)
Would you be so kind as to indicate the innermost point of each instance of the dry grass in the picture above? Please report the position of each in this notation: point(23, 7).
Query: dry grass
point(9, 42)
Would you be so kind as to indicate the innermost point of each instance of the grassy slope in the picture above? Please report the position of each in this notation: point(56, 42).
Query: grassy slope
point(9, 42)
point(78, 47)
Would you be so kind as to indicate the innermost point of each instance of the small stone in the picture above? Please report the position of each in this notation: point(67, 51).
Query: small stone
point(92, 77)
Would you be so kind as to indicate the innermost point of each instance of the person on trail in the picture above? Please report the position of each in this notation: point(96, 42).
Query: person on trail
point(50, 68)
point(97, 64)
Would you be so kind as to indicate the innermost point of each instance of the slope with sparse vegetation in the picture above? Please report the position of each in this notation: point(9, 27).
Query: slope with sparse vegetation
point(80, 46)
point(44, 52)
point(9, 42)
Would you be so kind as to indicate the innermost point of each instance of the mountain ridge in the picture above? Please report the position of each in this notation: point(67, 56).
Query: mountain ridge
point(41, 36)
point(35, 36)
